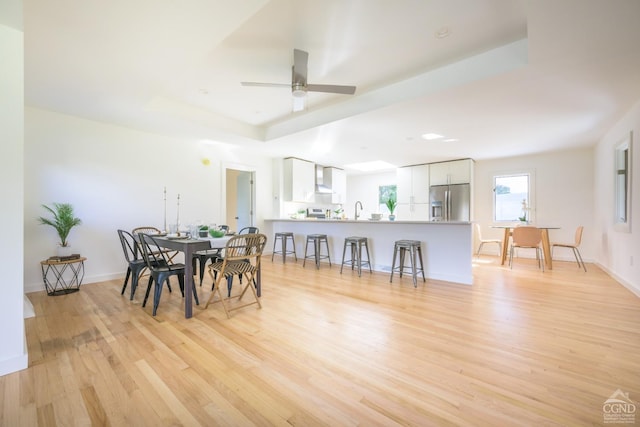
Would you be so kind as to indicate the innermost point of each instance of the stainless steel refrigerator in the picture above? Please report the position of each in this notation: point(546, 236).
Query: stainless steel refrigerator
point(450, 202)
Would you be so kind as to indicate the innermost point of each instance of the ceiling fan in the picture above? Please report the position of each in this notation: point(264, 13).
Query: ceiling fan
point(299, 86)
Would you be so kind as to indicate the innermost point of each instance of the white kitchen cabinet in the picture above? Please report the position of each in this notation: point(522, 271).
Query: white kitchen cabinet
point(453, 172)
point(299, 180)
point(412, 212)
point(413, 192)
point(336, 179)
point(413, 184)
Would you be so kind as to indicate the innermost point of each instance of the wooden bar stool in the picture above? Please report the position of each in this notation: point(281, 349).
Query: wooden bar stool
point(356, 244)
point(316, 239)
point(415, 254)
point(283, 237)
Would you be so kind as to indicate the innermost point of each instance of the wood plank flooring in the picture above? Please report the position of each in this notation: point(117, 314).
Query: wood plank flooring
point(519, 347)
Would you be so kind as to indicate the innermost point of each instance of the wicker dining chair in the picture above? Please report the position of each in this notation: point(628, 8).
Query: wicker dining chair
point(170, 253)
point(241, 256)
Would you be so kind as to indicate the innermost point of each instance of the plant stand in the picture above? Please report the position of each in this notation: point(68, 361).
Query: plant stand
point(61, 283)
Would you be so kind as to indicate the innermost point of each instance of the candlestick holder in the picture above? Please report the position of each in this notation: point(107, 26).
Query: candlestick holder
point(164, 229)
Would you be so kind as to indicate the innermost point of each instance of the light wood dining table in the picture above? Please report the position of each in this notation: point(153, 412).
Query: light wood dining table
point(546, 245)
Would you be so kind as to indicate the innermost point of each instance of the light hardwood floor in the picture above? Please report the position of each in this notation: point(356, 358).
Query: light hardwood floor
point(519, 347)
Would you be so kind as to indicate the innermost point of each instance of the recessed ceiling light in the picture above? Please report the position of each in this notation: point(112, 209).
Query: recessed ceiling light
point(450, 140)
point(375, 165)
point(431, 136)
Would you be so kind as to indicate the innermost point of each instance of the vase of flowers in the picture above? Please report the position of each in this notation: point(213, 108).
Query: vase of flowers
point(525, 209)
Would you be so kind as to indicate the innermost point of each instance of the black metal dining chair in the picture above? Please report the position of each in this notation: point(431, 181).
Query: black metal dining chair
point(135, 261)
point(202, 257)
point(160, 270)
point(249, 230)
point(245, 230)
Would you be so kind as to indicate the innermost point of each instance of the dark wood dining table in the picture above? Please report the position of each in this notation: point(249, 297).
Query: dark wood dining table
point(189, 246)
point(546, 245)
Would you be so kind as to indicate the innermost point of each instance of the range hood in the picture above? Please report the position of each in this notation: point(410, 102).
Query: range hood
point(321, 187)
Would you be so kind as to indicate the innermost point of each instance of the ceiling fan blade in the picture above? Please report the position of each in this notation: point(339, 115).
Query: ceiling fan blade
point(299, 70)
point(265, 84)
point(299, 86)
point(345, 90)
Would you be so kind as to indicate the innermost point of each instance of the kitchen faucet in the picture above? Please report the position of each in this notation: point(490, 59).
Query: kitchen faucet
point(356, 209)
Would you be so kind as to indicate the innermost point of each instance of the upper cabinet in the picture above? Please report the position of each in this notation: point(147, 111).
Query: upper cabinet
point(454, 172)
point(299, 180)
point(336, 179)
point(413, 184)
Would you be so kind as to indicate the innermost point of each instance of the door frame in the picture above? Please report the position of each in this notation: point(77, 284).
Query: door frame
point(243, 168)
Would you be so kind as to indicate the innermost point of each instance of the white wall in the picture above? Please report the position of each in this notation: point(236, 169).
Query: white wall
point(364, 188)
point(114, 177)
point(563, 196)
point(13, 354)
point(618, 252)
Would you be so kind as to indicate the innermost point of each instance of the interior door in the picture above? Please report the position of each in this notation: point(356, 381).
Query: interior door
point(244, 212)
point(240, 191)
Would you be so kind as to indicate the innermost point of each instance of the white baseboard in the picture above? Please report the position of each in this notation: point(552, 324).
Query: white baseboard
point(37, 287)
point(14, 364)
point(635, 289)
point(28, 309)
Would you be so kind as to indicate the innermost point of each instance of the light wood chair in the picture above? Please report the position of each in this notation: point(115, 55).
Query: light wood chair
point(241, 256)
point(483, 241)
point(171, 254)
point(574, 247)
point(527, 237)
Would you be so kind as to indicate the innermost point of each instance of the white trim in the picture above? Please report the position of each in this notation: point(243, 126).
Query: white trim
point(623, 282)
point(625, 144)
point(532, 192)
point(15, 364)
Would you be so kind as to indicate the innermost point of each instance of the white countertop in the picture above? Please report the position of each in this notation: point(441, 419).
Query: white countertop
point(368, 221)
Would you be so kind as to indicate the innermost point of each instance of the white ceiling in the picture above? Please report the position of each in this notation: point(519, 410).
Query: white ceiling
point(513, 77)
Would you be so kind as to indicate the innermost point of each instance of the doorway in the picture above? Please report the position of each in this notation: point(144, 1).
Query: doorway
point(240, 196)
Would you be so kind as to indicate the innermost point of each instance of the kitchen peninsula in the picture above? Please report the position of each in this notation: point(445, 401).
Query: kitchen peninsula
point(446, 246)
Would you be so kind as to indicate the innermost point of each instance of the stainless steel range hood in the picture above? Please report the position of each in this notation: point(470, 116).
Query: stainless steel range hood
point(321, 187)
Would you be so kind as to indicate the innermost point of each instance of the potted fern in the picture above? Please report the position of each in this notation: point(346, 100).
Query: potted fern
point(63, 221)
point(391, 205)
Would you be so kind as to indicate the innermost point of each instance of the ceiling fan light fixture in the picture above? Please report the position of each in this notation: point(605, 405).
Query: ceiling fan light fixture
point(299, 104)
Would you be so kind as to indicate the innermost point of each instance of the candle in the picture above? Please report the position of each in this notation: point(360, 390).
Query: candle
point(178, 216)
point(164, 230)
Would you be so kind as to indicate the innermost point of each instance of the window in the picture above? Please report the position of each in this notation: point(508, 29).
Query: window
point(385, 192)
point(623, 185)
point(512, 197)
